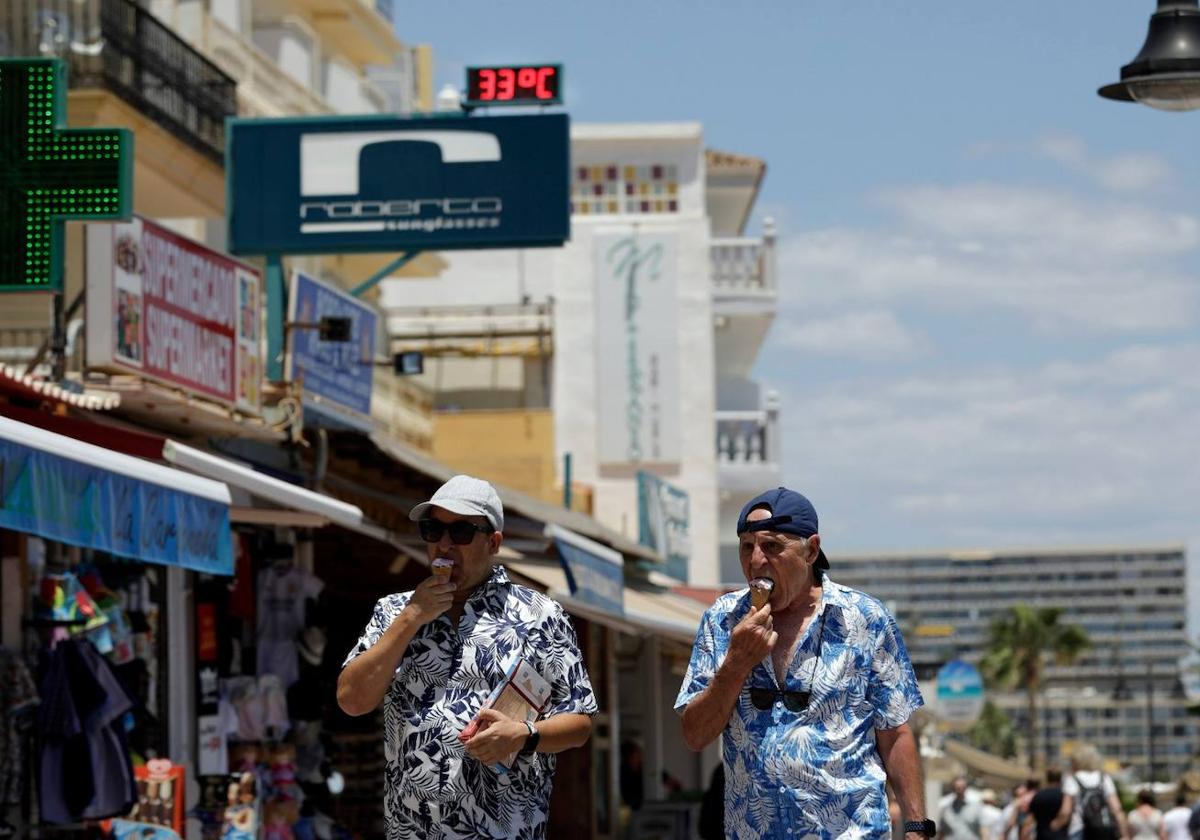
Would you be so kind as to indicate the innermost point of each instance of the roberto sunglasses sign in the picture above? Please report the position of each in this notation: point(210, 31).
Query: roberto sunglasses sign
point(335, 185)
point(167, 308)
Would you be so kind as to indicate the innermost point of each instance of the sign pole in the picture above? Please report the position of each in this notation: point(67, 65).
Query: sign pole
point(276, 303)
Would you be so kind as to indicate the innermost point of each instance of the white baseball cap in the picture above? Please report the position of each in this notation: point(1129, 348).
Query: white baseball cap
point(466, 496)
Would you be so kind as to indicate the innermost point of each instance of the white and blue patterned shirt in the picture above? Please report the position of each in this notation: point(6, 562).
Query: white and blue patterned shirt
point(433, 789)
point(813, 773)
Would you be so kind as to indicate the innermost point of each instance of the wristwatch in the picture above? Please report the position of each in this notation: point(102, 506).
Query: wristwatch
point(926, 827)
point(531, 741)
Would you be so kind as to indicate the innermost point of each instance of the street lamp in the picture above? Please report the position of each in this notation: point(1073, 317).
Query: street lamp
point(1166, 73)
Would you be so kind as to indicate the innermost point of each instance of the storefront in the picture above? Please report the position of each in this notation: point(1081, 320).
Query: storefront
point(95, 548)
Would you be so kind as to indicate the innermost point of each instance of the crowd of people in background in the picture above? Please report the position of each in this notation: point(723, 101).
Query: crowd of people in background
point(1083, 803)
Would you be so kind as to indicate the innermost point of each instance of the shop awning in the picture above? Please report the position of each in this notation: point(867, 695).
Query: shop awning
point(73, 492)
point(662, 614)
point(301, 507)
point(595, 573)
point(998, 771)
point(519, 503)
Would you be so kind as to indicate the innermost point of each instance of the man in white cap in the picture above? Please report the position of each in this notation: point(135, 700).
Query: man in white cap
point(433, 656)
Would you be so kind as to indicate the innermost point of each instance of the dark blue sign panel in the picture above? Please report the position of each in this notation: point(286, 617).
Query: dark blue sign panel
point(337, 372)
point(346, 184)
point(74, 503)
point(595, 573)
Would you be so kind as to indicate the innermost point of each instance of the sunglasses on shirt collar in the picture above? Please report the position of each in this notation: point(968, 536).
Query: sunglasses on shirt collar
point(461, 531)
point(764, 698)
point(794, 701)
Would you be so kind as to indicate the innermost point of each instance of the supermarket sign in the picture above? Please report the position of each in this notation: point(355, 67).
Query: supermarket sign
point(166, 308)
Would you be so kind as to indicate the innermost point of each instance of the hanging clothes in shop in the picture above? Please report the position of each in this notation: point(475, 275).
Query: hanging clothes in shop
point(86, 771)
point(18, 700)
point(283, 594)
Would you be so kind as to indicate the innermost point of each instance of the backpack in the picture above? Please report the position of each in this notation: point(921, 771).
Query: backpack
point(1098, 820)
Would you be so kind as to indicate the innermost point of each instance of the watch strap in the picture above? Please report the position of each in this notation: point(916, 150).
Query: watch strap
point(926, 827)
point(531, 740)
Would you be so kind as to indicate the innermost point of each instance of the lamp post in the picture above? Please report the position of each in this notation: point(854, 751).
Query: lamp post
point(1166, 73)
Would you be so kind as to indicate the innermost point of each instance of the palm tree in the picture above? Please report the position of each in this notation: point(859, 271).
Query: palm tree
point(1019, 642)
point(994, 732)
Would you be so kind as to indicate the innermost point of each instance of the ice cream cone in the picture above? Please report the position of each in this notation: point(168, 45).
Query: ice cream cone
point(760, 592)
point(442, 567)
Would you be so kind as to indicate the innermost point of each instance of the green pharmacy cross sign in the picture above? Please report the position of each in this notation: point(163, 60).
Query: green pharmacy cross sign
point(50, 174)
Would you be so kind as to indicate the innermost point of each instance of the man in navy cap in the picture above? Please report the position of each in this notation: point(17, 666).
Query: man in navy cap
point(812, 691)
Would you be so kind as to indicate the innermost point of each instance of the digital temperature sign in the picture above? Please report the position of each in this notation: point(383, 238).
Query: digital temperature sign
point(523, 84)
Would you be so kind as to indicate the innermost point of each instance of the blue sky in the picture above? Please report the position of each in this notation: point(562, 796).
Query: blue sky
point(988, 332)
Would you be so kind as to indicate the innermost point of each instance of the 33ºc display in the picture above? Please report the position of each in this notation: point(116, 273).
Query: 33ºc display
point(525, 84)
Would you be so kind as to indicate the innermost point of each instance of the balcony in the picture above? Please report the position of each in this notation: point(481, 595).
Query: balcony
point(748, 451)
point(118, 46)
point(264, 90)
point(743, 268)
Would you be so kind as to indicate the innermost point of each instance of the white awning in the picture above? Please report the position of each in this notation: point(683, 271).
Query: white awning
point(90, 455)
point(266, 487)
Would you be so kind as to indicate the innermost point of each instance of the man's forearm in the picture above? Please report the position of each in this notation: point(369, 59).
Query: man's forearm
point(902, 761)
point(363, 683)
point(563, 732)
point(707, 715)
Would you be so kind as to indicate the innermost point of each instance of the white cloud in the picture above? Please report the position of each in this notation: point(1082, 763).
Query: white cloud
point(1129, 172)
point(1006, 456)
point(868, 334)
point(1056, 259)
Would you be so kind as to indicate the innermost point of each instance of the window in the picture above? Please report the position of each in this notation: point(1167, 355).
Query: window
point(610, 188)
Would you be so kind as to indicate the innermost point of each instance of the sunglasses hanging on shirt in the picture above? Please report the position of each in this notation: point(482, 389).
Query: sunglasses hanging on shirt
point(794, 701)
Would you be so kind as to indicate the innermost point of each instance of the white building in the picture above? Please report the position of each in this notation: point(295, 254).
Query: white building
point(640, 333)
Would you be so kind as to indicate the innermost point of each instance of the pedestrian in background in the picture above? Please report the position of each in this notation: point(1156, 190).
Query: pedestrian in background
point(1051, 808)
point(1096, 810)
point(960, 815)
point(1175, 821)
point(1145, 819)
point(433, 656)
point(812, 691)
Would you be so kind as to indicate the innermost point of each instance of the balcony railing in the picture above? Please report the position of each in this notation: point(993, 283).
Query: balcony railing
point(748, 437)
point(744, 266)
point(115, 44)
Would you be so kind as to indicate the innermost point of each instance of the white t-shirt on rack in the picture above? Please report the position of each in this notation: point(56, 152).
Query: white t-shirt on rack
point(282, 593)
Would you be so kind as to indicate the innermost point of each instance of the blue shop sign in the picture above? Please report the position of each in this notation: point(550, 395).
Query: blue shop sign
point(383, 183)
point(595, 573)
point(332, 372)
point(72, 502)
point(663, 523)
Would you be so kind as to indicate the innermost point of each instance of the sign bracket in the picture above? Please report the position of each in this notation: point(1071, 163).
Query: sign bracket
point(395, 265)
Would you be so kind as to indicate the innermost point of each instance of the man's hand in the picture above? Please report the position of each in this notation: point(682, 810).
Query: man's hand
point(497, 737)
point(752, 639)
point(430, 599)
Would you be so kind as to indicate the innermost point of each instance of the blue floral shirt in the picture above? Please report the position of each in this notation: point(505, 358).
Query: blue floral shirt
point(433, 789)
point(817, 772)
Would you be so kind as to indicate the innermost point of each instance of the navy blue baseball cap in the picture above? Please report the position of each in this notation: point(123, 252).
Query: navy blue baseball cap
point(790, 512)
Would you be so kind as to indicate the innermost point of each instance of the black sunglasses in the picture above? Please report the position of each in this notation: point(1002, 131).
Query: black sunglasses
point(764, 698)
point(461, 531)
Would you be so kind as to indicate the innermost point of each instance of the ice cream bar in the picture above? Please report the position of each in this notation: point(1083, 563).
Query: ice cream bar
point(760, 591)
point(442, 566)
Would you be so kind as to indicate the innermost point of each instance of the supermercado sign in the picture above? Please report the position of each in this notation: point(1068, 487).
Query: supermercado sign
point(357, 184)
point(167, 308)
